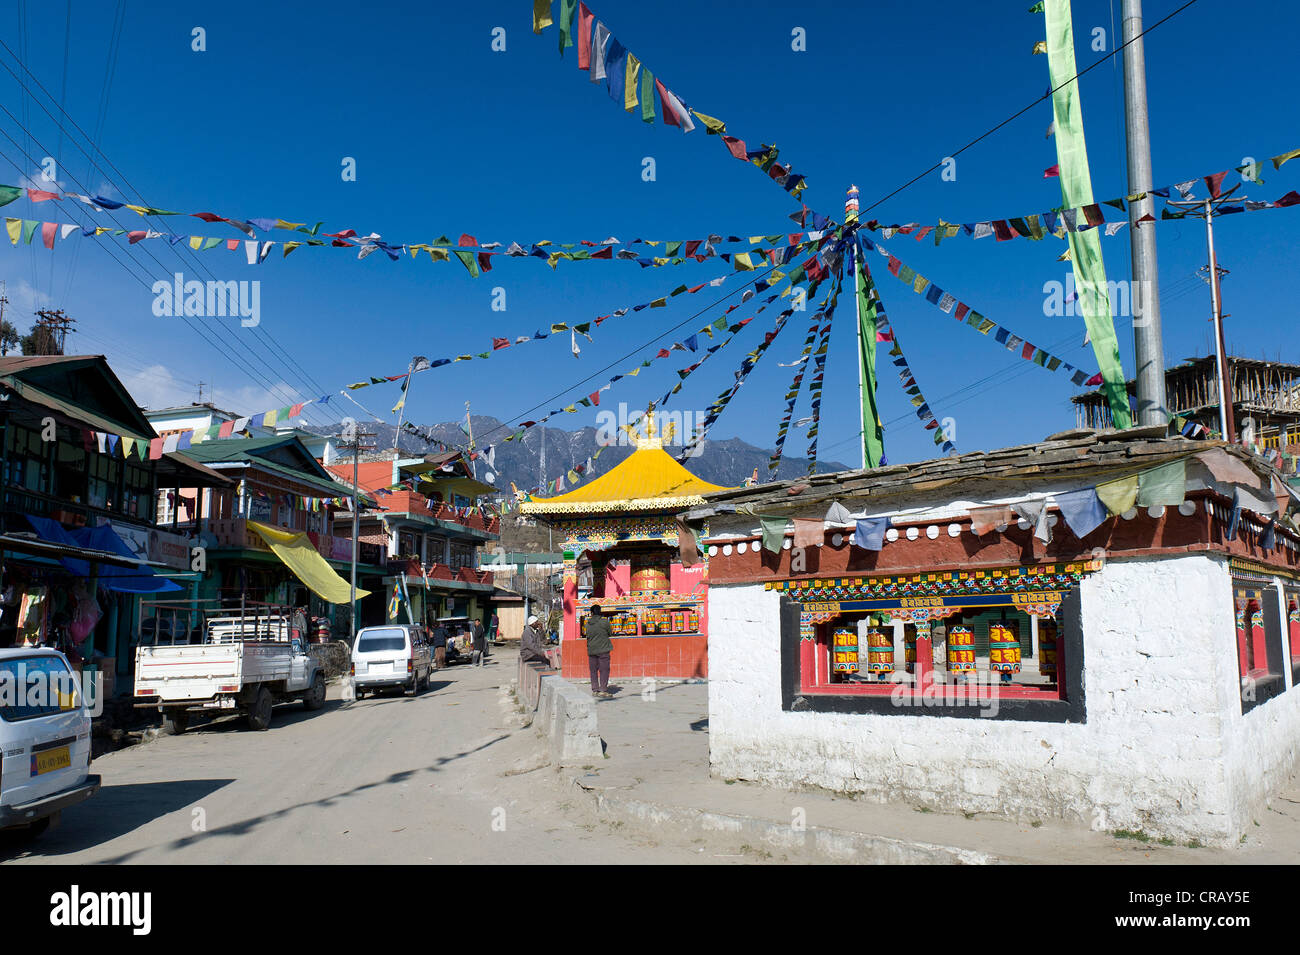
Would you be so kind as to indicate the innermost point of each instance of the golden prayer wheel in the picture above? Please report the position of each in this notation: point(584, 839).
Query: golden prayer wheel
point(1047, 647)
point(844, 650)
point(961, 650)
point(909, 647)
point(880, 652)
point(649, 575)
point(1004, 647)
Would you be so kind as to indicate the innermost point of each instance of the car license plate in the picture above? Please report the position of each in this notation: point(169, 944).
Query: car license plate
point(381, 668)
point(51, 760)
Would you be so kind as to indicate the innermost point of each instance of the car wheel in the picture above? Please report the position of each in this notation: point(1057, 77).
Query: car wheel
point(315, 697)
point(175, 722)
point(360, 693)
point(259, 714)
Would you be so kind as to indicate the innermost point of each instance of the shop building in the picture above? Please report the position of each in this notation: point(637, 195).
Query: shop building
point(80, 539)
point(981, 634)
point(276, 483)
point(626, 550)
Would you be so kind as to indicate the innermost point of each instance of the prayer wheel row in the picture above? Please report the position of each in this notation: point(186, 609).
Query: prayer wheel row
point(1004, 649)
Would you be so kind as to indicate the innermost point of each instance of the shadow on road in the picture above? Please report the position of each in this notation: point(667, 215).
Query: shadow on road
point(249, 825)
point(113, 811)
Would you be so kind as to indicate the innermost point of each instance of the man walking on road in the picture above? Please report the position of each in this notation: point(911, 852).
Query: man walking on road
point(600, 644)
point(531, 648)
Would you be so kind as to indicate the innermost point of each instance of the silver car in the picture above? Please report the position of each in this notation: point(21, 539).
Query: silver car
point(394, 655)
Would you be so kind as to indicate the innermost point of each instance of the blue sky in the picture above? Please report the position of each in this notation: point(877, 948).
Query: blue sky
point(450, 137)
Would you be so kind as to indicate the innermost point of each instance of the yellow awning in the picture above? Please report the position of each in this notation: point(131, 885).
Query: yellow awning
point(298, 554)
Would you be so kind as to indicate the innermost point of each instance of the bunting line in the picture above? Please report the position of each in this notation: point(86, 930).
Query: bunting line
point(949, 305)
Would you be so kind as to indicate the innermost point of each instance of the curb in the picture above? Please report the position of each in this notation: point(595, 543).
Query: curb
point(831, 845)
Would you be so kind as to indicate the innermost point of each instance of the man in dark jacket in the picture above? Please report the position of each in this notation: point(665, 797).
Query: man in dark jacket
point(600, 644)
point(439, 646)
point(480, 643)
point(531, 647)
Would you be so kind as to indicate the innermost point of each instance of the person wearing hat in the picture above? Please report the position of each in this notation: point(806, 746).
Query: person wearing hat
point(531, 646)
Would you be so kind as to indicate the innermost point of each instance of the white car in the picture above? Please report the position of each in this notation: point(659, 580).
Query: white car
point(44, 739)
point(391, 656)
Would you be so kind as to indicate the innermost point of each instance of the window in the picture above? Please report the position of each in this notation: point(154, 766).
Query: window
point(138, 493)
point(103, 481)
point(983, 644)
point(35, 686)
point(1259, 641)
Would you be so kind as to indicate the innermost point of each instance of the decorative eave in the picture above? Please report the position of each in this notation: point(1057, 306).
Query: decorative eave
point(645, 504)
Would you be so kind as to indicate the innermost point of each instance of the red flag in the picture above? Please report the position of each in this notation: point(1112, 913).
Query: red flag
point(500, 343)
point(584, 37)
point(467, 240)
point(1051, 171)
point(1003, 231)
point(735, 146)
point(1213, 183)
point(1094, 380)
point(663, 353)
point(485, 261)
point(894, 265)
point(345, 234)
point(691, 246)
point(156, 446)
point(961, 310)
point(692, 291)
point(233, 244)
point(227, 428)
point(208, 216)
point(595, 397)
point(40, 195)
point(1290, 199)
point(296, 409)
point(135, 236)
point(1028, 351)
point(47, 233)
point(606, 253)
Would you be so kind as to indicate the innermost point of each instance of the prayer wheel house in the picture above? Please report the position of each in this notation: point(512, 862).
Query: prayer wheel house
point(1104, 628)
point(645, 572)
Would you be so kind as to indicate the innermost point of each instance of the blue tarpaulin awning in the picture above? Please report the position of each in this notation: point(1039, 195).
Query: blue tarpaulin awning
point(138, 579)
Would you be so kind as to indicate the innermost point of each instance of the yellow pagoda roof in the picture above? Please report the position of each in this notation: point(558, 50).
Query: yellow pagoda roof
point(648, 479)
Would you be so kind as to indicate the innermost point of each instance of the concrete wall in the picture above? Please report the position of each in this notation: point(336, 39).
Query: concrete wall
point(1165, 747)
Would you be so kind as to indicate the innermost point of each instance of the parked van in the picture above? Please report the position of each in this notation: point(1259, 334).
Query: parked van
point(44, 739)
point(392, 655)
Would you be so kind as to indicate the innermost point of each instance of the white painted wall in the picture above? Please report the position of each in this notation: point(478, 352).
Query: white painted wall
point(1165, 748)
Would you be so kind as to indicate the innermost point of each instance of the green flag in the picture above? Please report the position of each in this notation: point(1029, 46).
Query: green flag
point(873, 431)
point(1076, 191)
point(1166, 484)
point(647, 95)
point(8, 194)
point(773, 532)
point(567, 10)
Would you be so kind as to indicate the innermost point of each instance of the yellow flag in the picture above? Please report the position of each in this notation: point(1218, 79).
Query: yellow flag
point(1285, 157)
point(1119, 496)
point(629, 86)
point(742, 262)
point(15, 229)
point(541, 15)
point(289, 247)
point(195, 242)
point(439, 255)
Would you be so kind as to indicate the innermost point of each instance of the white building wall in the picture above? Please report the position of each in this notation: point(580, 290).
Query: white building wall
point(1165, 748)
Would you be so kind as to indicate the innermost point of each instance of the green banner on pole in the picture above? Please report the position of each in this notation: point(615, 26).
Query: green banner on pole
point(873, 431)
point(1076, 191)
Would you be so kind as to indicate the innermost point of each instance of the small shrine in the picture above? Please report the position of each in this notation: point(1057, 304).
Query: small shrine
point(645, 570)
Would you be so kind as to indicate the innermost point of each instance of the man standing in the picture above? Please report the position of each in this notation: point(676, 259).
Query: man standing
point(531, 647)
point(600, 644)
point(439, 646)
point(480, 643)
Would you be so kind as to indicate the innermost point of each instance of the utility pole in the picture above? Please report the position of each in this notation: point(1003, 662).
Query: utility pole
point(355, 442)
point(51, 330)
point(1148, 343)
point(469, 430)
point(1227, 418)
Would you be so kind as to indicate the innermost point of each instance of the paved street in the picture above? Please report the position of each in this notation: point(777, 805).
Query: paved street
point(392, 779)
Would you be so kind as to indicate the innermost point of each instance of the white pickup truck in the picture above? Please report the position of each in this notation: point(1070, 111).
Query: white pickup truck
point(243, 665)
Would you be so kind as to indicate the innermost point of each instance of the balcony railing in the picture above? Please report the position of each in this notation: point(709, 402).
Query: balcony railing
point(236, 533)
point(411, 568)
point(409, 502)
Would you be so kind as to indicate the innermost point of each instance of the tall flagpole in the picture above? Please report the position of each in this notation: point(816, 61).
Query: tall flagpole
point(850, 219)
